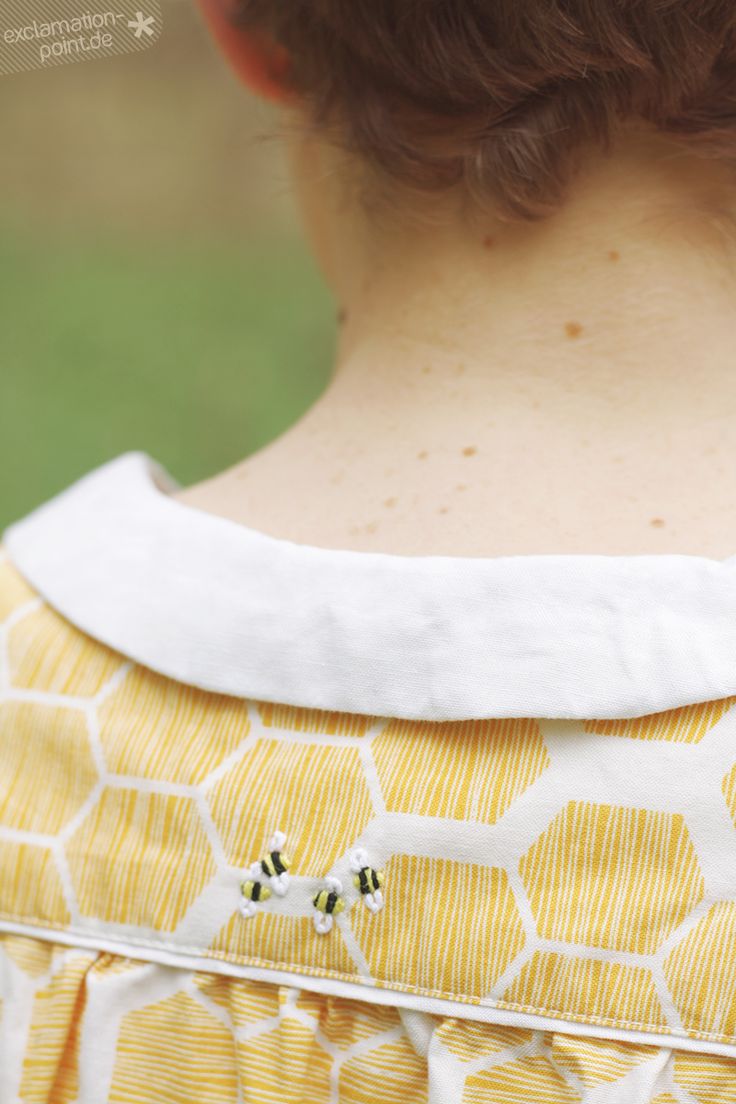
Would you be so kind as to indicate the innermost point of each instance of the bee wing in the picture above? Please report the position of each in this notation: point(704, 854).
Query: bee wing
point(358, 860)
point(322, 923)
point(334, 884)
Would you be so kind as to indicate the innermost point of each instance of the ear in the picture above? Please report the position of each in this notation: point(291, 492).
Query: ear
point(259, 62)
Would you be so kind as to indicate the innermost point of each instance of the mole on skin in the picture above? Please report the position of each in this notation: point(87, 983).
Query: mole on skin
point(573, 329)
point(614, 255)
point(488, 242)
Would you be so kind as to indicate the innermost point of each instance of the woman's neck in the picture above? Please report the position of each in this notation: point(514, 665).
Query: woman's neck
point(565, 386)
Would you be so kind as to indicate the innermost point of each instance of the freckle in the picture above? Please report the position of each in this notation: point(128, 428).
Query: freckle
point(573, 329)
point(657, 522)
point(422, 455)
point(469, 450)
point(342, 316)
point(442, 510)
point(371, 526)
point(459, 369)
point(614, 255)
point(427, 368)
point(390, 501)
point(461, 487)
point(488, 242)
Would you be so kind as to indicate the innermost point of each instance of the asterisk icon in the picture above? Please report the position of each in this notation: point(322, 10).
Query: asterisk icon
point(142, 24)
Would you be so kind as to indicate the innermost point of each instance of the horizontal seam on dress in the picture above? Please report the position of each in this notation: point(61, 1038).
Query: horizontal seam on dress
point(402, 987)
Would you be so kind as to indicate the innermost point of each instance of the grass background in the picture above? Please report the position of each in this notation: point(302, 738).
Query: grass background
point(155, 291)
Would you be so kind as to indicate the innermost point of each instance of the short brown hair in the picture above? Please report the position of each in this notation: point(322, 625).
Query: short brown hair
point(501, 95)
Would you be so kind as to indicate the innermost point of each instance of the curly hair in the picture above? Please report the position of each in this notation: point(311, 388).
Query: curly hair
point(501, 96)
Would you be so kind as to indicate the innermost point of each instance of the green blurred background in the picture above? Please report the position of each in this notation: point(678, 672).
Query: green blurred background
point(155, 292)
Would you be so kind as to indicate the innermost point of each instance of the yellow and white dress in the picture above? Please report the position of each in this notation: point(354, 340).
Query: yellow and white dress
point(284, 824)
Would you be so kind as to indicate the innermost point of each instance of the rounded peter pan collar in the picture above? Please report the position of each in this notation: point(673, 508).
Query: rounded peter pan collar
point(210, 602)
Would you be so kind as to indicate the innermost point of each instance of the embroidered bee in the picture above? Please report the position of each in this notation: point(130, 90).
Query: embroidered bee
point(276, 864)
point(367, 880)
point(328, 903)
point(252, 891)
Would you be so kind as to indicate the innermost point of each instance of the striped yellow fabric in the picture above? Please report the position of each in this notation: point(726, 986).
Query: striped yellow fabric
point(284, 940)
point(419, 763)
point(114, 881)
point(728, 787)
point(393, 1073)
point(704, 993)
point(588, 989)
point(50, 751)
point(31, 883)
point(688, 724)
point(533, 872)
point(195, 1057)
point(50, 1065)
point(100, 1026)
point(532, 1080)
point(627, 877)
point(211, 728)
point(293, 719)
point(44, 653)
point(457, 898)
point(469, 1041)
point(708, 1080)
point(597, 1061)
point(318, 795)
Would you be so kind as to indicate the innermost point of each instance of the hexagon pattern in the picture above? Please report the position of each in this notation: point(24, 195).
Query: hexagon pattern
point(611, 876)
point(135, 1031)
point(583, 872)
point(419, 763)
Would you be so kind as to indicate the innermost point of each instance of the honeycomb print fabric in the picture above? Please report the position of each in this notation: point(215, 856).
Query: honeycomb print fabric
point(558, 917)
point(91, 1026)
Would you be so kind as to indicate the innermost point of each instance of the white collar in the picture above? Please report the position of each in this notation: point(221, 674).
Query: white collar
point(227, 608)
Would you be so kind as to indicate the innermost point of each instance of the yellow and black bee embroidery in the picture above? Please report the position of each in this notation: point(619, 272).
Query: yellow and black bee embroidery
point(327, 903)
point(252, 891)
point(266, 876)
point(367, 880)
point(276, 864)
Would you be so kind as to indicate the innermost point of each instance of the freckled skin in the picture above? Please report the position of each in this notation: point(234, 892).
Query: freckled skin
point(658, 523)
point(469, 450)
point(390, 501)
point(573, 329)
point(651, 387)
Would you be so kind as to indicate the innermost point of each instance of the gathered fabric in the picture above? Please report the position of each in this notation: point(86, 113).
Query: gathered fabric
point(93, 1027)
